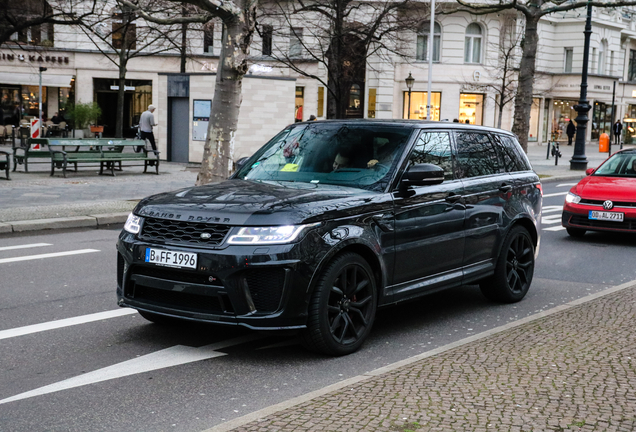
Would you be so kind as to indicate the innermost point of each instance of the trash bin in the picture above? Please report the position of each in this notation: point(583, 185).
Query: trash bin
point(603, 143)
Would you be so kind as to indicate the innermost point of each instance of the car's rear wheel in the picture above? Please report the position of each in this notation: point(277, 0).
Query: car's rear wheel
point(514, 270)
point(576, 232)
point(342, 307)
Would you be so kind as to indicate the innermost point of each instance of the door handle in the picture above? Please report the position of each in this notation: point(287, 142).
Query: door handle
point(505, 188)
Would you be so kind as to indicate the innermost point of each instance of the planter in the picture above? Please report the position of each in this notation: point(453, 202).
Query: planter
point(78, 133)
point(97, 129)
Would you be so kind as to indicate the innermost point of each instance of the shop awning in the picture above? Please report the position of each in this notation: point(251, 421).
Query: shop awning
point(48, 79)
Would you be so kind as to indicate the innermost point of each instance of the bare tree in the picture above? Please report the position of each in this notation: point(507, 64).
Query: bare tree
point(239, 20)
point(115, 32)
point(338, 35)
point(18, 17)
point(532, 11)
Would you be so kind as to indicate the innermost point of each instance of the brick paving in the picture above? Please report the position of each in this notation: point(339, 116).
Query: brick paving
point(574, 370)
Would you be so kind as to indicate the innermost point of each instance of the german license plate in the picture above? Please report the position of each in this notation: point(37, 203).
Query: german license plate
point(606, 216)
point(171, 258)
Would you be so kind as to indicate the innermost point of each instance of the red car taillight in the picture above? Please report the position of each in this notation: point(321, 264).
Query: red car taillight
point(540, 187)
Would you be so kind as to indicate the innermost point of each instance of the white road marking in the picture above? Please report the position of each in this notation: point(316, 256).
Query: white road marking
point(51, 325)
point(49, 255)
point(554, 228)
point(551, 219)
point(566, 184)
point(551, 209)
point(173, 356)
point(555, 194)
point(25, 246)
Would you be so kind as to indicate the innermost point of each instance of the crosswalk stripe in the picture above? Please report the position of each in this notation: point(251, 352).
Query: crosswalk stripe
point(554, 228)
point(67, 322)
point(554, 194)
point(49, 255)
point(25, 246)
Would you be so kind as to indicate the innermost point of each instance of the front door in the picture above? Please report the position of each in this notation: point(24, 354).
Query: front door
point(429, 223)
point(178, 132)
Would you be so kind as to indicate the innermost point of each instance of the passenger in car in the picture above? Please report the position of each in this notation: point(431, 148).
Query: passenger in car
point(342, 160)
point(382, 152)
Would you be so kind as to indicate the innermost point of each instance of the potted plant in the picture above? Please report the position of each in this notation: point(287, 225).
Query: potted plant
point(85, 114)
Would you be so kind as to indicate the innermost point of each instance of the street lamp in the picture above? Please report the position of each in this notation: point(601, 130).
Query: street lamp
point(42, 69)
point(579, 161)
point(409, 85)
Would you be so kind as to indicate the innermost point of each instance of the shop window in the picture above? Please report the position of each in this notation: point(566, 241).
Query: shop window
point(629, 125)
point(422, 41)
point(569, 54)
point(300, 101)
point(321, 102)
point(471, 108)
point(31, 100)
point(533, 132)
point(208, 37)
point(472, 44)
point(267, 36)
point(371, 107)
point(295, 42)
point(419, 100)
point(10, 105)
point(562, 112)
point(601, 119)
point(124, 31)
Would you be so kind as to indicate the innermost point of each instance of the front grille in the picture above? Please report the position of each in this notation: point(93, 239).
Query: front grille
point(180, 232)
point(582, 221)
point(266, 288)
point(178, 275)
point(600, 203)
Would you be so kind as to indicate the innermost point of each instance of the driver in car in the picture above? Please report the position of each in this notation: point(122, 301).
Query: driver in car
point(342, 160)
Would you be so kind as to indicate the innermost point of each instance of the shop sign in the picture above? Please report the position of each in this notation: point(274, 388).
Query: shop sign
point(126, 88)
point(35, 58)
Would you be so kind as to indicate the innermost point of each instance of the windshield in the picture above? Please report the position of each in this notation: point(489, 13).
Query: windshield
point(362, 156)
point(620, 165)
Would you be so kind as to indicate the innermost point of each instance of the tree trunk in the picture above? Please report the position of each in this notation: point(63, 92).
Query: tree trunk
point(523, 100)
point(184, 41)
point(218, 152)
point(119, 119)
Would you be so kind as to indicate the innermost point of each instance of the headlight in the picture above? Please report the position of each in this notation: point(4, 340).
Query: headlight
point(133, 224)
point(572, 198)
point(267, 235)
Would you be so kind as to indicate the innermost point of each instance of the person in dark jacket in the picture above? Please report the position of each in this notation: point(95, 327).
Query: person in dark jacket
point(570, 131)
point(617, 129)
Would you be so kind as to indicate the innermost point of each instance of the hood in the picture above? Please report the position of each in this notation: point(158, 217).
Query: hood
point(243, 202)
point(604, 188)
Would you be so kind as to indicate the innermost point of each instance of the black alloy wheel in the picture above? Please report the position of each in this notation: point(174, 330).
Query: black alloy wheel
point(514, 270)
point(342, 308)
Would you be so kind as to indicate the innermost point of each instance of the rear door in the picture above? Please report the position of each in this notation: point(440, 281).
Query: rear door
point(486, 189)
point(429, 221)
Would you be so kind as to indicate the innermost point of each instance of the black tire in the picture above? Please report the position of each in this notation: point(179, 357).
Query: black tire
point(514, 269)
point(342, 307)
point(158, 319)
point(576, 232)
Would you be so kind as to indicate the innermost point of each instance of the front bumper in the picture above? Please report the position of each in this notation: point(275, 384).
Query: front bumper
point(262, 288)
point(576, 216)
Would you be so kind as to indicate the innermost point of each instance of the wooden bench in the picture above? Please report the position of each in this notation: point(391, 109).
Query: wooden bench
point(109, 153)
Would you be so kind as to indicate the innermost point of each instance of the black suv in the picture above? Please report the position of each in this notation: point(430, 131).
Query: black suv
point(330, 220)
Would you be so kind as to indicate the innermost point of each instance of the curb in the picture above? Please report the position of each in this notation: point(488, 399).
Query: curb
point(91, 221)
point(279, 407)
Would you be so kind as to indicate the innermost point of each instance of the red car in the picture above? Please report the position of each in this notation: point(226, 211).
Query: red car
point(605, 200)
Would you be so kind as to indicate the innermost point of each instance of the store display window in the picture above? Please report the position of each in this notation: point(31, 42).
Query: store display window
point(418, 109)
point(629, 125)
point(562, 112)
point(601, 119)
point(10, 105)
point(471, 108)
point(31, 100)
point(535, 111)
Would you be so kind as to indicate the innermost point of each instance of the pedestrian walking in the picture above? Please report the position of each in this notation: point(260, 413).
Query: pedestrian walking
point(570, 131)
point(617, 129)
point(146, 123)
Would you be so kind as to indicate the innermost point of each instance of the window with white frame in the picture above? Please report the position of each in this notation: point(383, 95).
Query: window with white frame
point(422, 41)
point(473, 43)
point(295, 42)
point(568, 56)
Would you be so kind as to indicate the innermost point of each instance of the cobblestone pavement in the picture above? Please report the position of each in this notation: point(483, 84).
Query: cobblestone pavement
point(570, 371)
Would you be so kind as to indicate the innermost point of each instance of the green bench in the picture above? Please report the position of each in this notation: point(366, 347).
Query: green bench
point(24, 150)
point(5, 162)
point(108, 153)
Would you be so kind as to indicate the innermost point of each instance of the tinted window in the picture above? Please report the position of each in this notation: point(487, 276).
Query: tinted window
point(476, 155)
point(354, 155)
point(434, 148)
point(513, 153)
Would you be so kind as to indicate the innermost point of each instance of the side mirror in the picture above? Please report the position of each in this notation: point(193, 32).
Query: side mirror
point(423, 174)
point(590, 171)
point(241, 162)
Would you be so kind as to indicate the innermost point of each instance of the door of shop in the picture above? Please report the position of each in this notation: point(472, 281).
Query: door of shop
point(178, 129)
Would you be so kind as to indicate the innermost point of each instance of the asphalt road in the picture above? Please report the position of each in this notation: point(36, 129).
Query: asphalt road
point(62, 368)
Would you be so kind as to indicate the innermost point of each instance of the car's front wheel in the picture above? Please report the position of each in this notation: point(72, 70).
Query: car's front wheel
point(342, 307)
point(514, 270)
